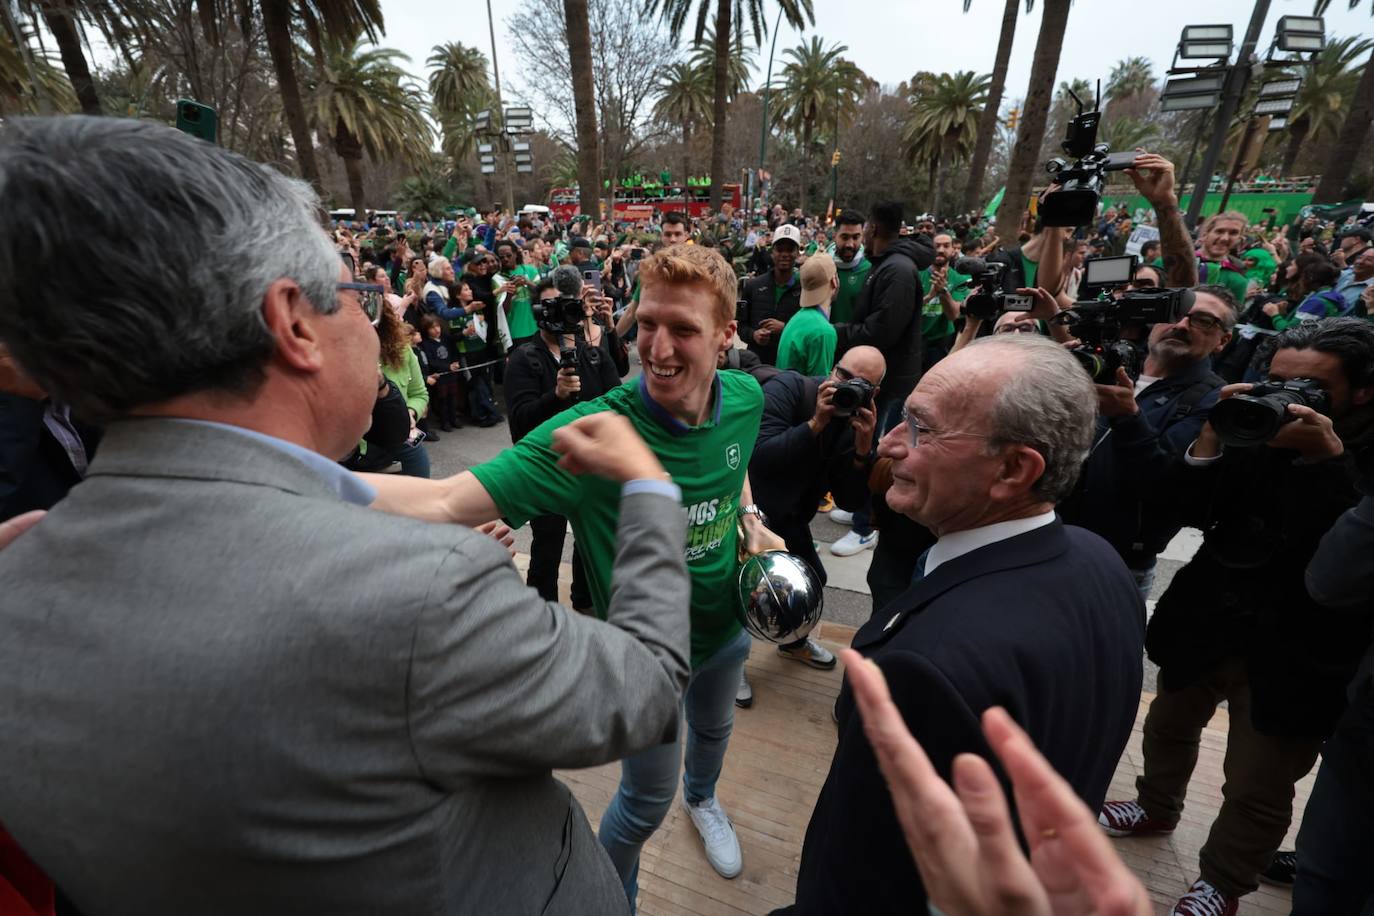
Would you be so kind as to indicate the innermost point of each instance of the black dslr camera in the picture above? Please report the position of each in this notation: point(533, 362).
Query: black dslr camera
point(850, 395)
point(1080, 182)
point(1255, 417)
point(986, 300)
point(560, 315)
point(1098, 322)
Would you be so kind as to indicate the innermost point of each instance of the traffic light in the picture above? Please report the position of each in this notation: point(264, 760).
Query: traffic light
point(1013, 117)
point(835, 159)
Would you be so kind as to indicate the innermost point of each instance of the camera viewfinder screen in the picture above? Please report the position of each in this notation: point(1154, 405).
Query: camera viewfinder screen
point(1108, 271)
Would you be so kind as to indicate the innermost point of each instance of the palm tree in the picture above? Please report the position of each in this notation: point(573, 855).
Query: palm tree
point(1131, 77)
point(1350, 141)
point(458, 82)
point(684, 99)
point(338, 18)
point(425, 195)
point(987, 121)
point(27, 91)
point(1023, 166)
point(1128, 133)
point(816, 87)
point(739, 70)
point(1327, 88)
point(62, 18)
point(584, 104)
point(728, 16)
point(366, 103)
point(943, 124)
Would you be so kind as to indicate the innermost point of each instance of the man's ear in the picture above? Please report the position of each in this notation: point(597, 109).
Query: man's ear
point(1361, 396)
point(1021, 467)
point(293, 322)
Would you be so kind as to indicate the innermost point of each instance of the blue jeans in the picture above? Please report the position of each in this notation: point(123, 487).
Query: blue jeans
point(648, 780)
point(1144, 581)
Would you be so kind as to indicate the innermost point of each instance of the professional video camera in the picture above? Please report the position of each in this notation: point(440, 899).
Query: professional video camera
point(562, 315)
point(1255, 417)
point(1080, 182)
point(1098, 322)
point(987, 300)
point(850, 395)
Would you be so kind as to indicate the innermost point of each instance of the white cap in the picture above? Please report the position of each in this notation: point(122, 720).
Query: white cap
point(789, 232)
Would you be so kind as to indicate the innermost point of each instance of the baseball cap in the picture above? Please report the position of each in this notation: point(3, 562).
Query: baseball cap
point(816, 274)
point(788, 232)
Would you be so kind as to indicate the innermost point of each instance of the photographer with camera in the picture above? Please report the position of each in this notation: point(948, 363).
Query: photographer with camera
point(1267, 476)
point(1144, 424)
point(768, 301)
point(816, 437)
point(560, 368)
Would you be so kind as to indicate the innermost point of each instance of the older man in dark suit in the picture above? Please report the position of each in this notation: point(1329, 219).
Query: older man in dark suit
point(1013, 609)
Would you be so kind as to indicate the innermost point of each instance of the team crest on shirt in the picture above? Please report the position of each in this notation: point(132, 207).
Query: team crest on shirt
point(732, 456)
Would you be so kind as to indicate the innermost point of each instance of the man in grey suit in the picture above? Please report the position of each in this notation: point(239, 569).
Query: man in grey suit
point(229, 686)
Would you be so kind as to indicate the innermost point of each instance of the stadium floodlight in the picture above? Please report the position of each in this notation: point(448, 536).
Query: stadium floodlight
point(524, 168)
point(482, 120)
point(1304, 34)
point(1277, 123)
point(521, 158)
point(488, 169)
point(1194, 85)
point(1190, 102)
point(519, 120)
point(1280, 88)
point(520, 146)
point(486, 148)
point(1274, 106)
point(1205, 42)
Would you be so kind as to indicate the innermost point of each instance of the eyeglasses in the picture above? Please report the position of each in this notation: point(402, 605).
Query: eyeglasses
point(844, 374)
point(1017, 327)
point(369, 297)
point(916, 430)
point(1203, 321)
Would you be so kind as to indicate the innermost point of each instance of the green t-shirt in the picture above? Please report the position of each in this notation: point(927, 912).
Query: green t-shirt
point(935, 325)
point(708, 462)
point(520, 318)
point(851, 281)
point(807, 343)
point(1211, 272)
point(1030, 267)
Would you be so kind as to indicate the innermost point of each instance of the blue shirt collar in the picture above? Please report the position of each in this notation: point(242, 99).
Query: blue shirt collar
point(669, 422)
point(349, 486)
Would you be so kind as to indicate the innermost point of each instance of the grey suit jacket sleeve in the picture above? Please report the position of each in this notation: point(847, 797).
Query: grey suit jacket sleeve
point(503, 683)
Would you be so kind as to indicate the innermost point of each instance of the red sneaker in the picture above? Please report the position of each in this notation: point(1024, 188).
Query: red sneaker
point(1204, 900)
point(1127, 818)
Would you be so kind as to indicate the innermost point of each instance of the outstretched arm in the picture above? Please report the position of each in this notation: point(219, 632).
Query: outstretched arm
point(1175, 244)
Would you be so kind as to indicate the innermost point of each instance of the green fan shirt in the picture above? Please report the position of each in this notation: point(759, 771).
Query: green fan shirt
point(934, 323)
point(807, 343)
point(851, 282)
point(708, 462)
point(520, 319)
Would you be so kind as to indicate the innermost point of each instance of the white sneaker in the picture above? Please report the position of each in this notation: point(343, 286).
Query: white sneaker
point(853, 543)
point(841, 517)
point(718, 836)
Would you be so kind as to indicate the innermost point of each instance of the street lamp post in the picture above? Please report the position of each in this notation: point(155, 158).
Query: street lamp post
point(504, 146)
point(767, 85)
point(1236, 78)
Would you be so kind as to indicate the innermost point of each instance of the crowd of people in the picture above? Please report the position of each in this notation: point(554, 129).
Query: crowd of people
point(265, 663)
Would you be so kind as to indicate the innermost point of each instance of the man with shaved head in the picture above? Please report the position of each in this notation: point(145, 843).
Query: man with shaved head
point(1010, 608)
point(808, 446)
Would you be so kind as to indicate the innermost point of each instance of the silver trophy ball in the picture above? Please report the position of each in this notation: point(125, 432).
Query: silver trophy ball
point(780, 597)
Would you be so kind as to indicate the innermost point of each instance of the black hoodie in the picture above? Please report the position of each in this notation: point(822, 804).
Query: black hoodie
point(887, 313)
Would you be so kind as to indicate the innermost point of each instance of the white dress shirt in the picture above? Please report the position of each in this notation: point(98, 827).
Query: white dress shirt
point(957, 543)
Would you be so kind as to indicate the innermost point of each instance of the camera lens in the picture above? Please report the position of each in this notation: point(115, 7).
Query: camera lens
point(1243, 420)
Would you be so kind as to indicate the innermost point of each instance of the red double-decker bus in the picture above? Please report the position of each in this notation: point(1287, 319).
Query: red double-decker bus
point(634, 204)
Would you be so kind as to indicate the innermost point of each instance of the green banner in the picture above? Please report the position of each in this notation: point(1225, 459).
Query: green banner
point(1252, 205)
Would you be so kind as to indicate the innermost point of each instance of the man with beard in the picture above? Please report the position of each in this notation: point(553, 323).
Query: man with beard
point(1144, 425)
point(771, 299)
point(945, 288)
point(1238, 624)
point(853, 267)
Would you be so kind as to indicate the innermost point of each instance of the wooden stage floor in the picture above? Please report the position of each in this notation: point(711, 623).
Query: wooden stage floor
point(779, 755)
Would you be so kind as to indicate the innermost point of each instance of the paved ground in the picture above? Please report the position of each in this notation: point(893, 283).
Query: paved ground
point(847, 600)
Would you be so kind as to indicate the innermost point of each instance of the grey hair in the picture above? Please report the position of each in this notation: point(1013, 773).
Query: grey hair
point(176, 242)
point(1046, 402)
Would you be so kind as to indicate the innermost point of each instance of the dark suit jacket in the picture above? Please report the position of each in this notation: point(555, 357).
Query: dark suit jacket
point(1048, 625)
point(35, 470)
point(761, 302)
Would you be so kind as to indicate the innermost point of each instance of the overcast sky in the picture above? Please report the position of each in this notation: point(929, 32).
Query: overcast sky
point(893, 39)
